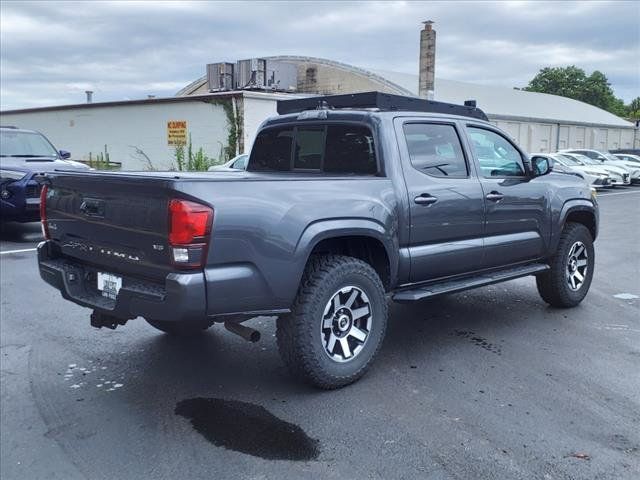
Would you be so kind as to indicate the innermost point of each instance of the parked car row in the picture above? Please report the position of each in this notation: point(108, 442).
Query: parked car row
point(599, 169)
point(596, 176)
point(618, 176)
point(608, 159)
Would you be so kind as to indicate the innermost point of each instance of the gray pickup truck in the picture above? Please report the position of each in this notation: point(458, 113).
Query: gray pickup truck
point(347, 201)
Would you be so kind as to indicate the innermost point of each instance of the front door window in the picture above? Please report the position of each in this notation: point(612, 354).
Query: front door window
point(496, 155)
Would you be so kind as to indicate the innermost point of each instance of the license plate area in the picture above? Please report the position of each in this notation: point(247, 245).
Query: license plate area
point(109, 285)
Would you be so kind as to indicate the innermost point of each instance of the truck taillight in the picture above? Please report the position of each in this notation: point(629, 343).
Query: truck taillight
point(189, 231)
point(43, 212)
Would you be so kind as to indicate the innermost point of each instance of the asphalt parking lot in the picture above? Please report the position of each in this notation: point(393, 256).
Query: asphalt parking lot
point(485, 384)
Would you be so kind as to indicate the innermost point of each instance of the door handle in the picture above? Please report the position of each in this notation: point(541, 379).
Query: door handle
point(494, 196)
point(425, 199)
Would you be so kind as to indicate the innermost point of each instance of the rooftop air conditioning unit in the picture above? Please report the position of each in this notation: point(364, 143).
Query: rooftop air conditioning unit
point(220, 76)
point(282, 76)
point(251, 73)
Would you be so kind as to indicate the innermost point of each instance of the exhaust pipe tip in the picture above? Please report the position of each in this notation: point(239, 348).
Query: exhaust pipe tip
point(249, 334)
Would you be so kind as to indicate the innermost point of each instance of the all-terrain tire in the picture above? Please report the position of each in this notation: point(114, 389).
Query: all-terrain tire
point(554, 285)
point(180, 329)
point(302, 342)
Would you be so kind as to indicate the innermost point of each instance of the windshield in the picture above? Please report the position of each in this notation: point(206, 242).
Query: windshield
point(25, 144)
point(582, 159)
point(568, 160)
point(609, 156)
point(589, 161)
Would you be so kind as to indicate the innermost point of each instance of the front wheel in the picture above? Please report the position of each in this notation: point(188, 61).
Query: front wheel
point(337, 323)
point(572, 266)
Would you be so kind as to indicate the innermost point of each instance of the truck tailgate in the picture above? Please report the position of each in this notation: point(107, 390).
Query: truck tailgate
point(119, 222)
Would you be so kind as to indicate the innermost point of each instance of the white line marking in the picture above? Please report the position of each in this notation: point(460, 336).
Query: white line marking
point(7, 252)
point(616, 193)
point(625, 296)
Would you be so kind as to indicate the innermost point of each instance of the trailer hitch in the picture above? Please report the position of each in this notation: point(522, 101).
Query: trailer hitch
point(99, 320)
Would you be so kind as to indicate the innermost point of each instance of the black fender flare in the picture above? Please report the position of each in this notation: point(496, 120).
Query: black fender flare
point(346, 227)
point(569, 207)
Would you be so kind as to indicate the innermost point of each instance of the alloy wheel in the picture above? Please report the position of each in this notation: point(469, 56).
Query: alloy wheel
point(577, 265)
point(346, 324)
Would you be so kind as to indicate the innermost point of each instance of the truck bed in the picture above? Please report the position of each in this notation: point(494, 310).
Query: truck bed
point(263, 225)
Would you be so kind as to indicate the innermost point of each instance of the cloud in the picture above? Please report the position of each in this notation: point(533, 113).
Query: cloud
point(52, 51)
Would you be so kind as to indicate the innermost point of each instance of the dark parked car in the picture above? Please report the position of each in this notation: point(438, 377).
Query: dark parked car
point(23, 153)
point(346, 200)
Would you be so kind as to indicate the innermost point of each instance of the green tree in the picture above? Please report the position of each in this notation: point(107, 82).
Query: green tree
point(573, 82)
point(566, 82)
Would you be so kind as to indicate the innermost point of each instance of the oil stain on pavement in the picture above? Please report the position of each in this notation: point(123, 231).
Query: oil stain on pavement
point(248, 428)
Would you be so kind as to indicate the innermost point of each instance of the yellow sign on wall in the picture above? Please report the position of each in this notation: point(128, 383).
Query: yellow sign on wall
point(176, 132)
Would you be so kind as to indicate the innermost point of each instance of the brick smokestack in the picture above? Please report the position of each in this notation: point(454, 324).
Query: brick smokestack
point(427, 61)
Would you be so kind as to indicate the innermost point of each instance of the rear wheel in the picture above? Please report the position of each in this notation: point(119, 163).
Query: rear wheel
point(569, 279)
point(337, 324)
point(180, 328)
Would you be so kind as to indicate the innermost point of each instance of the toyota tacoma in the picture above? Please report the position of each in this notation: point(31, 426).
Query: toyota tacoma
point(347, 201)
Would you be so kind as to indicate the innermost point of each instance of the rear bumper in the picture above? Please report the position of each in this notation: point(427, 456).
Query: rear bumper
point(182, 296)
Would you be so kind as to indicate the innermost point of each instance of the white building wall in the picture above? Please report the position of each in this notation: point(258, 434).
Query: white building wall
point(256, 110)
point(123, 127)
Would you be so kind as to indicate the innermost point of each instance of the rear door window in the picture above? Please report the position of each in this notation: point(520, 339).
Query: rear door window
point(350, 149)
point(435, 149)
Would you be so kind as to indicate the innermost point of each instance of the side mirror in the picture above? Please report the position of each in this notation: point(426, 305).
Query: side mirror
point(64, 154)
point(541, 166)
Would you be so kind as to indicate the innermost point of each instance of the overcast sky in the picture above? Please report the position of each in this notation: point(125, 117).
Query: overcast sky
point(53, 51)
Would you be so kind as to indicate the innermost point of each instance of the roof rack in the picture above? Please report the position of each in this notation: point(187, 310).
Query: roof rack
point(380, 101)
point(9, 126)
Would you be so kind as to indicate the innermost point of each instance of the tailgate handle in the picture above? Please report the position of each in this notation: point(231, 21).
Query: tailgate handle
point(92, 207)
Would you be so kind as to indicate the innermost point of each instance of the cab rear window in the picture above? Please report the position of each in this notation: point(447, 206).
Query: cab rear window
point(340, 148)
